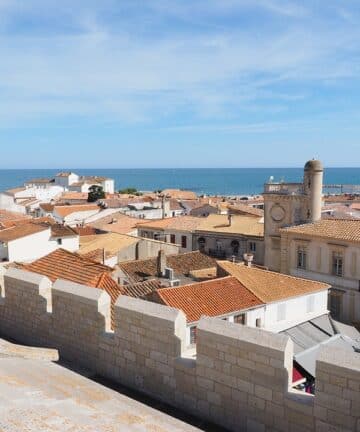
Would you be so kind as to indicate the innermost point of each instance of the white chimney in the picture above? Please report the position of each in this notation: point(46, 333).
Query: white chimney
point(248, 258)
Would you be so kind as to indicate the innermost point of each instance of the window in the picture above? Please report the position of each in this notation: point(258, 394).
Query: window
point(59, 241)
point(281, 312)
point(239, 319)
point(337, 264)
point(310, 303)
point(301, 258)
point(193, 335)
point(258, 322)
point(156, 236)
point(183, 241)
point(252, 247)
point(201, 243)
point(235, 246)
point(172, 238)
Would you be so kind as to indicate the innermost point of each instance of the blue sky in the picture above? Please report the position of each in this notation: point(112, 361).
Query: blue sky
point(167, 83)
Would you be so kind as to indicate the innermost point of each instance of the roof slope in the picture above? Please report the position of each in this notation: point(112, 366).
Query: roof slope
point(245, 225)
point(181, 223)
point(340, 229)
point(111, 242)
point(141, 289)
point(245, 209)
point(116, 222)
point(62, 264)
point(66, 210)
point(182, 264)
point(212, 298)
point(21, 231)
point(270, 286)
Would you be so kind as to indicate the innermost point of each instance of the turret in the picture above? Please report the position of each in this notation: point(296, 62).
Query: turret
point(313, 184)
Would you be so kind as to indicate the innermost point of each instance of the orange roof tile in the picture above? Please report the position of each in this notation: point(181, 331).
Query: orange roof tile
point(182, 264)
point(212, 298)
point(180, 223)
point(339, 229)
point(66, 210)
point(269, 286)
point(179, 194)
point(21, 231)
point(116, 222)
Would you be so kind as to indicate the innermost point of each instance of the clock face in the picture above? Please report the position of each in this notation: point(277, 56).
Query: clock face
point(277, 213)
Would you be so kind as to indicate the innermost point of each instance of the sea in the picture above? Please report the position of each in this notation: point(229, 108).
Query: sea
point(209, 181)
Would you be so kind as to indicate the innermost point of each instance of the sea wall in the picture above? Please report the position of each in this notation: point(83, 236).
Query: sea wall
point(239, 378)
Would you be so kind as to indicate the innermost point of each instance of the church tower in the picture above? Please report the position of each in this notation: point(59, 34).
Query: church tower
point(287, 204)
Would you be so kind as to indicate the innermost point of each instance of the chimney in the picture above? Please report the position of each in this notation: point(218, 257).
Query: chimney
point(230, 219)
point(161, 263)
point(248, 258)
point(104, 256)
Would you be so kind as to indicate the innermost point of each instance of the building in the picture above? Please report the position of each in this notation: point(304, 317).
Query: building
point(112, 248)
point(225, 298)
point(287, 204)
point(170, 269)
point(327, 250)
point(30, 241)
point(116, 222)
point(177, 194)
point(230, 236)
point(178, 230)
point(74, 215)
point(288, 300)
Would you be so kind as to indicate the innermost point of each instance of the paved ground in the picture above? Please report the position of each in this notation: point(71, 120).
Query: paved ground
point(39, 396)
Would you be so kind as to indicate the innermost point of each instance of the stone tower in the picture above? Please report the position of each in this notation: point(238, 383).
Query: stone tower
point(287, 204)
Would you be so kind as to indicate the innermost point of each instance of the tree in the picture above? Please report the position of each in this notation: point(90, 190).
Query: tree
point(95, 193)
point(130, 191)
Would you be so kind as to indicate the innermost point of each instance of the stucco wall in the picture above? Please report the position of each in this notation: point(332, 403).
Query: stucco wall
point(240, 378)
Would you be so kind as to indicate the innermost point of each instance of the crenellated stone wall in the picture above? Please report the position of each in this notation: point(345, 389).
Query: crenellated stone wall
point(239, 378)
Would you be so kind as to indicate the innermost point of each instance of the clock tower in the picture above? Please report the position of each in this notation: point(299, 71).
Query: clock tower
point(287, 204)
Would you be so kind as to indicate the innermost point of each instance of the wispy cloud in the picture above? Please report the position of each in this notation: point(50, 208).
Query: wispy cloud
point(136, 61)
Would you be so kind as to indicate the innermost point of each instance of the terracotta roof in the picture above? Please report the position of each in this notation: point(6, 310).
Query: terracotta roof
point(204, 274)
point(74, 196)
point(66, 210)
point(245, 209)
point(58, 230)
point(245, 225)
point(62, 264)
point(270, 286)
point(212, 298)
point(111, 242)
point(85, 231)
point(182, 264)
point(339, 229)
point(47, 207)
point(21, 231)
point(141, 289)
point(179, 194)
point(180, 223)
point(116, 222)
point(9, 219)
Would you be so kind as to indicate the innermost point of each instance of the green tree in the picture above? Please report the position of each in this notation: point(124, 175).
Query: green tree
point(95, 193)
point(130, 191)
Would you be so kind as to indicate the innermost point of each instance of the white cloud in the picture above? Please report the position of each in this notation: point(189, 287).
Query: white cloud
point(102, 63)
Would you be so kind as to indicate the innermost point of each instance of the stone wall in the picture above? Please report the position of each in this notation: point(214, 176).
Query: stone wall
point(239, 379)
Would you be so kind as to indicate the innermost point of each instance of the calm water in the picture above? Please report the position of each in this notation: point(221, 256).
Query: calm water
point(232, 181)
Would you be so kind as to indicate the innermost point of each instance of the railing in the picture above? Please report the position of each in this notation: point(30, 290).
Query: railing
point(284, 188)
